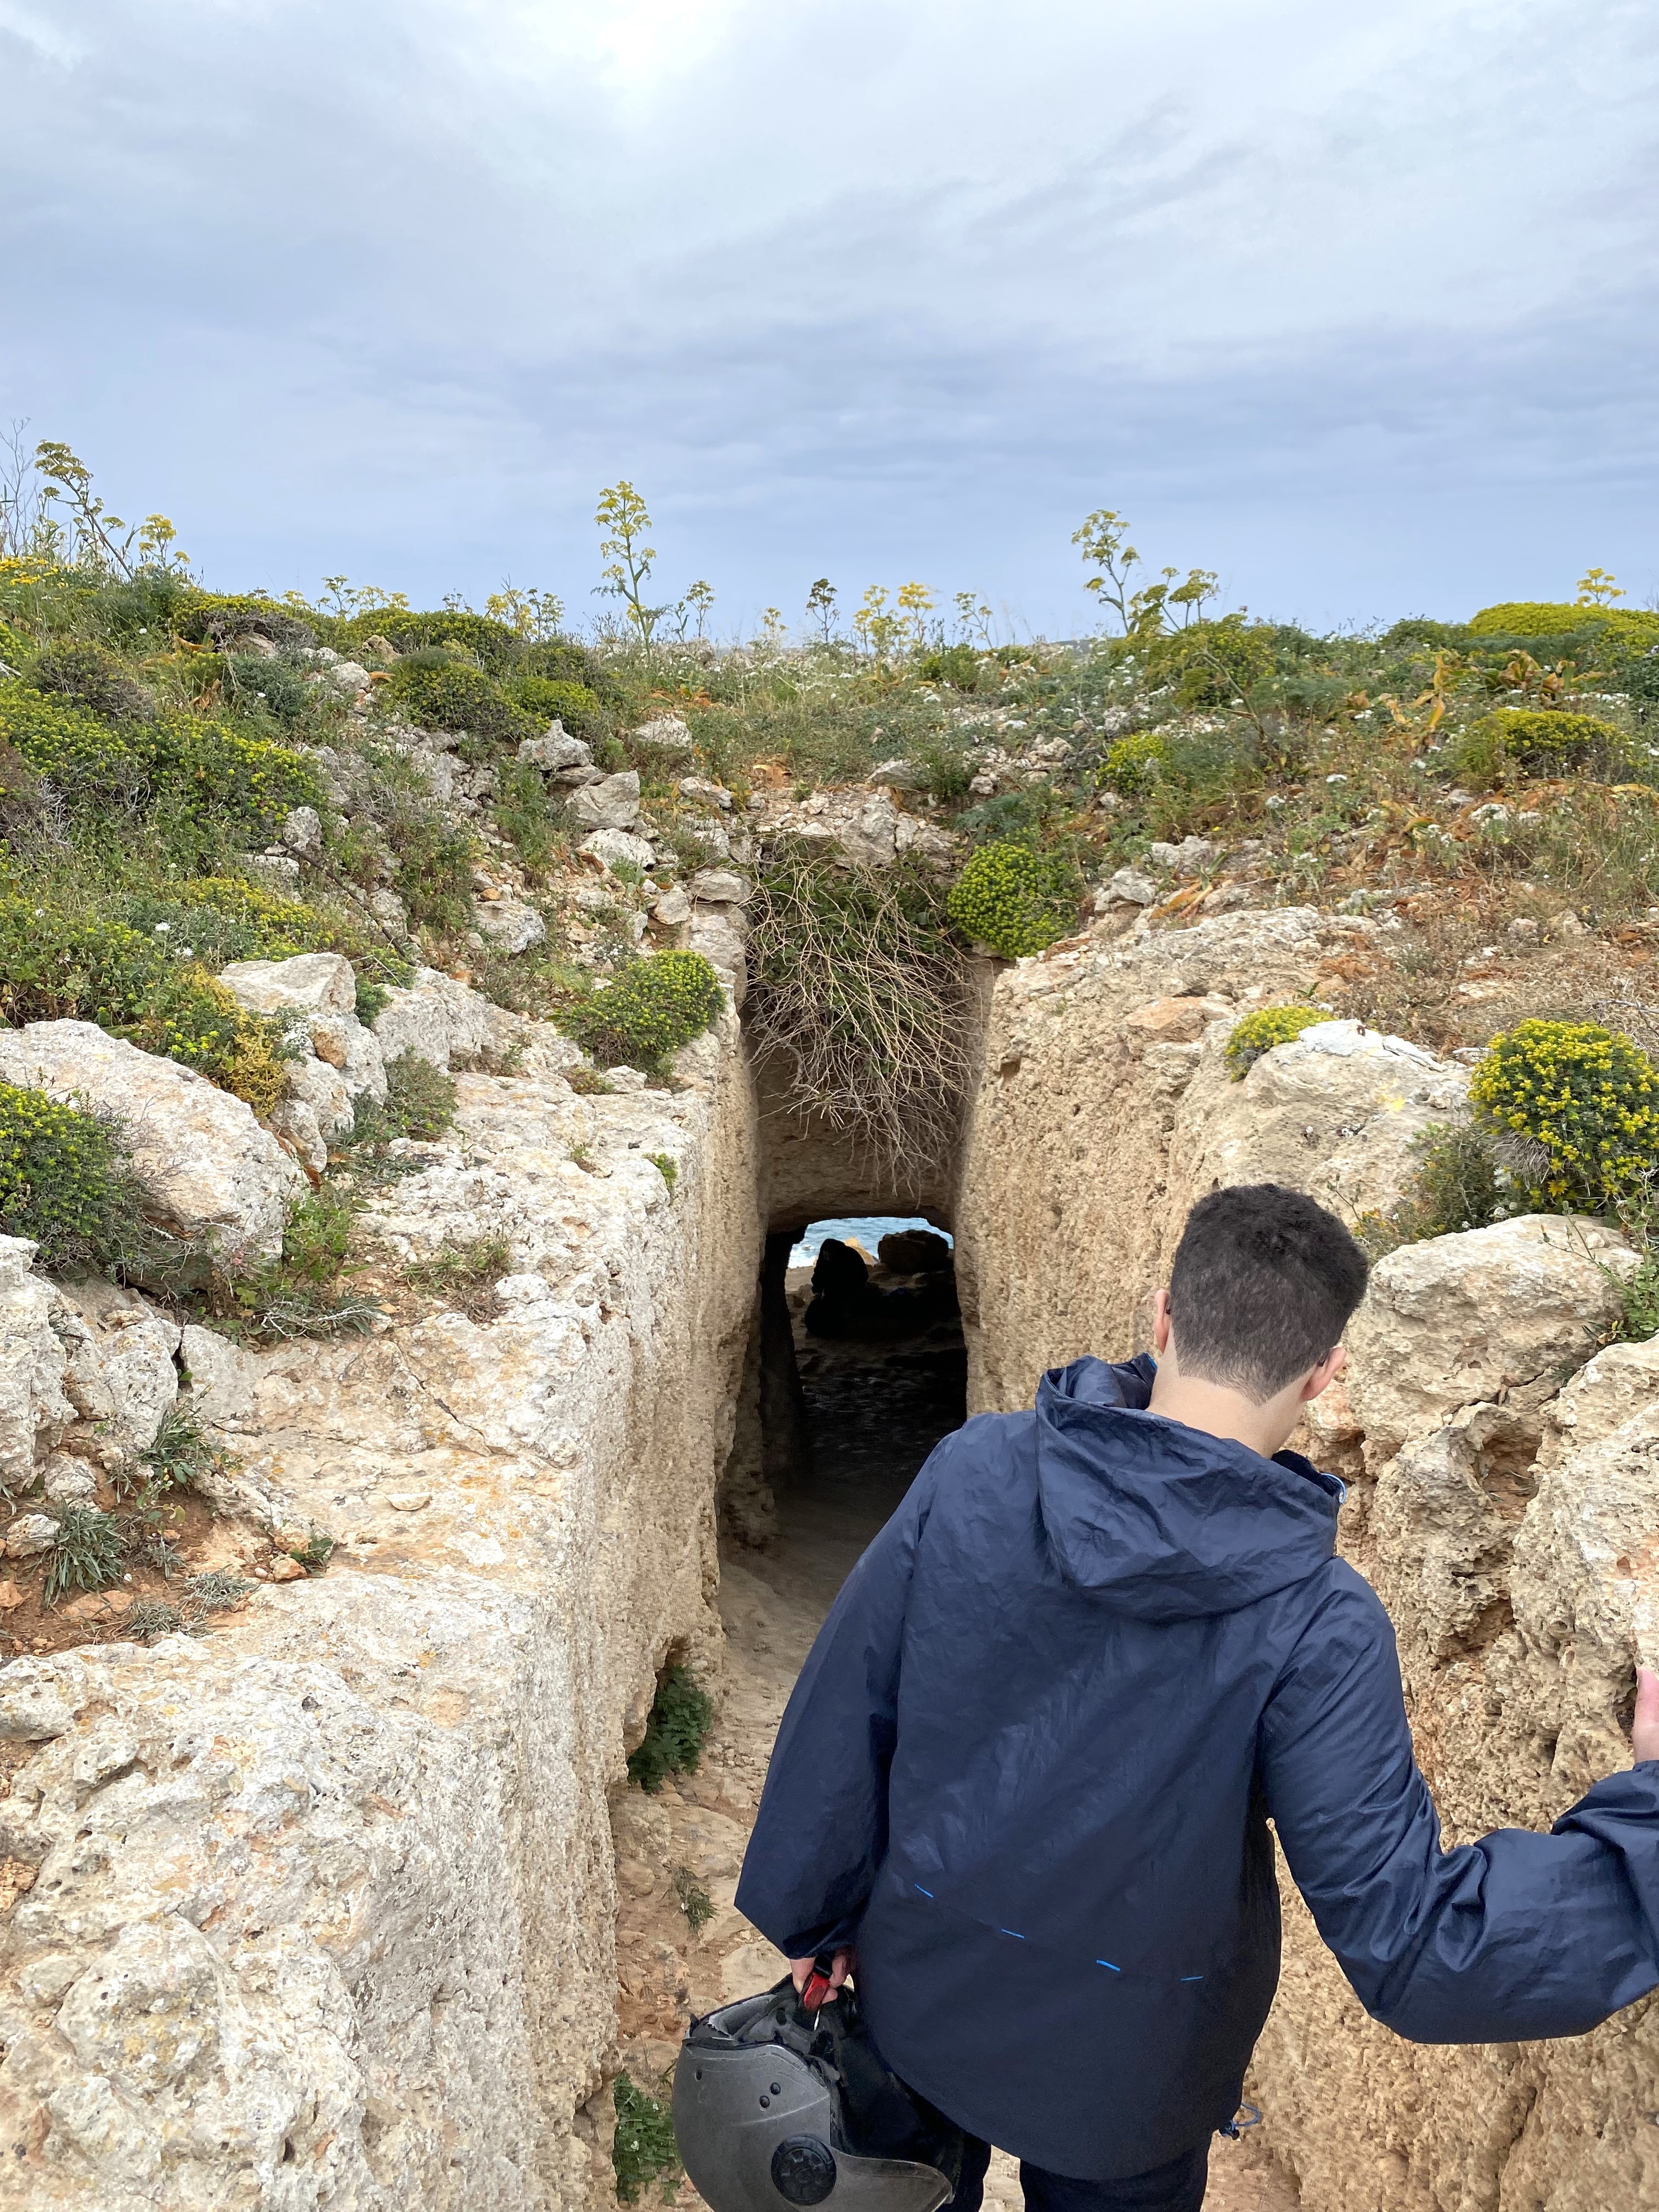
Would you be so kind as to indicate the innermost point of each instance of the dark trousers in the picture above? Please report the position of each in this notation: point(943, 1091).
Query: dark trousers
point(1178, 2187)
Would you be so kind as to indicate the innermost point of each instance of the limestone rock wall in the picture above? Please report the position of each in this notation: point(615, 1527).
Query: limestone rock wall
point(317, 1911)
point(1503, 1491)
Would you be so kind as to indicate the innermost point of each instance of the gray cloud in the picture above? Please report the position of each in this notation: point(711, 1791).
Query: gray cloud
point(1357, 314)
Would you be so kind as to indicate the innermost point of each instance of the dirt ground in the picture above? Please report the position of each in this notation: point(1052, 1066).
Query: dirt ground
point(875, 1416)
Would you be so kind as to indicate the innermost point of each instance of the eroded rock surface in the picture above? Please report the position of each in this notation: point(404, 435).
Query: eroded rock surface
point(318, 1910)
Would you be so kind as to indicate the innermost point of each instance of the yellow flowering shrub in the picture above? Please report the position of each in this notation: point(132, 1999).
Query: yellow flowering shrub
point(1133, 761)
point(65, 1181)
point(217, 772)
point(1013, 899)
point(1545, 741)
point(1261, 1031)
point(56, 967)
point(1582, 1103)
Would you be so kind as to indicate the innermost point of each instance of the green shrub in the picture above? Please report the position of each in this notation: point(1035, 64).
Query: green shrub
point(275, 687)
point(695, 1903)
point(92, 678)
point(956, 666)
point(317, 1235)
point(1538, 741)
point(548, 697)
point(56, 966)
point(1458, 1183)
point(144, 607)
point(202, 771)
point(408, 631)
point(1261, 1031)
point(1014, 899)
point(1579, 1105)
point(433, 874)
point(66, 1181)
point(1419, 630)
point(652, 1008)
point(565, 662)
point(1212, 663)
point(1545, 618)
point(216, 617)
point(1133, 761)
point(466, 1275)
point(524, 813)
point(88, 1553)
point(643, 2147)
point(681, 1717)
point(180, 1452)
point(447, 695)
point(420, 1098)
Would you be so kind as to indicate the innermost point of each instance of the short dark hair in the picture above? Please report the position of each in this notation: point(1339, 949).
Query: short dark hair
point(1263, 1284)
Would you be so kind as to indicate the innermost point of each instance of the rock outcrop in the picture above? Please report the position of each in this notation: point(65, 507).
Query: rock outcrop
point(318, 1910)
point(211, 1174)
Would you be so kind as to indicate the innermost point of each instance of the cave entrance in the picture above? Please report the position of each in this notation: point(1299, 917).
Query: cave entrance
point(881, 1372)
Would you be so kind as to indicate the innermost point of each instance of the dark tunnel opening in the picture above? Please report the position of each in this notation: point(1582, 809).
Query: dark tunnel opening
point(864, 1369)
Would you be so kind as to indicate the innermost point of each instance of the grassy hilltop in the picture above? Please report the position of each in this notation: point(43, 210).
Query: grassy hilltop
point(1492, 783)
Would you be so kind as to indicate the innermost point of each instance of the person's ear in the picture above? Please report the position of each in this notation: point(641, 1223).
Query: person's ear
point(1321, 1377)
point(1160, 1323)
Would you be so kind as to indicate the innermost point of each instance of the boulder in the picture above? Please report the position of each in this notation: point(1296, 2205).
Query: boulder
point(1178, 1021)
point(1499, 1314)
point(35, 1410)
point(438, 1020)
point(610, 845)
point(702, 792)
point(926, 840)
point(30, 1535)
point(897, 775)
point(133, 1346)
point(914, 1252)
point(672, 911)
point(556, 749)
point(1337, 1112)
point(708, 834)
point(1185, 858)
point(509, 924)
point(715, 935)
point(222, 1377)
point(319, 986)
point(869, 837)
point(302, 831)
point(613, 802)
point(720, 887)
point(1127, 887)
point(322, 1090)
point(211, 1173)
point(320, 990)
point(297, 1126)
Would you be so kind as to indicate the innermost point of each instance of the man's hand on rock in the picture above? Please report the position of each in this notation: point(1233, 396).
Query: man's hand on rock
point(1644, 1733)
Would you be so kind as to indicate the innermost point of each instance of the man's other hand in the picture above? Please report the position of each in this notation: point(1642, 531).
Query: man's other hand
point(1644, 1733)
point(846, 1962)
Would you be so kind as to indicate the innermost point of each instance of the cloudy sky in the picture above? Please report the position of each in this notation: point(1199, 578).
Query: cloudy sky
point(1358, 307)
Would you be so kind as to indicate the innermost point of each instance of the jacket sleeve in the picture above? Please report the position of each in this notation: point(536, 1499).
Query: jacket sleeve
point(1518, 1935)
point(821, 1834)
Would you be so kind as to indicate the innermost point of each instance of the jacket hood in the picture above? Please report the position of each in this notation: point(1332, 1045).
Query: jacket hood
point(1164, 1521)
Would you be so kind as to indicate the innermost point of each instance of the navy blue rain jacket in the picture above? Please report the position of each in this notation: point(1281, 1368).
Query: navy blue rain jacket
point(1028, 1767)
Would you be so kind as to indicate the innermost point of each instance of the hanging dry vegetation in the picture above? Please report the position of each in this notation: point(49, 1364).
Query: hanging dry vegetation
point(858, 1005)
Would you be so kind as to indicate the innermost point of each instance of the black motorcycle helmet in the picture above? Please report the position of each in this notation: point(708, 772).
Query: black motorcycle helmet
point(776, 2106)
